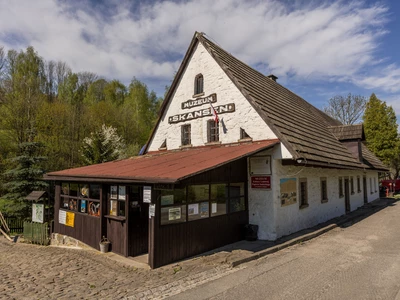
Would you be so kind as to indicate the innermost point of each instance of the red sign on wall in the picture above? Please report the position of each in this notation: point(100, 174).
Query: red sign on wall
point(260, 182)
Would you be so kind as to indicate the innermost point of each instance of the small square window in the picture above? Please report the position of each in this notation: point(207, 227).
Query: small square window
point(352, 185)
point(186, 135)
point(341, 194)
point(303, 194)
point(324, 190)
point(212, 131)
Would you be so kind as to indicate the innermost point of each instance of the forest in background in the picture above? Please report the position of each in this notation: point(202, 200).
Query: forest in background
point(45, 103)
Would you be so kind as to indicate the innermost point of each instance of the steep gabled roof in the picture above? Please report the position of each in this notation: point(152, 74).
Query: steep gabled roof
point(302, 128)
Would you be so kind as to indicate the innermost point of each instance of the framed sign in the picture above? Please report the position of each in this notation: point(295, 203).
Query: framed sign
point(37, 213)
point(261, 182)
point(260, 165)
point(147, 194)
point(152, 210)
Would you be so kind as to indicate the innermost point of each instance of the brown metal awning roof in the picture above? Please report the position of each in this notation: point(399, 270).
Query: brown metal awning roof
point(35, 195)
point(163, 166)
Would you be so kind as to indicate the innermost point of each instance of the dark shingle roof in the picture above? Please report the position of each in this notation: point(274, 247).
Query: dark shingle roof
point(301, 127)
point(371, 160)
point(348, 132)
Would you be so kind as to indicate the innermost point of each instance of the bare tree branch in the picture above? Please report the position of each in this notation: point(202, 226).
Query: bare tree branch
point(347, 109)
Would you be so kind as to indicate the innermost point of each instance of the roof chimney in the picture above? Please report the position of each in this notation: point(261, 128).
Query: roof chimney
point(272, 77)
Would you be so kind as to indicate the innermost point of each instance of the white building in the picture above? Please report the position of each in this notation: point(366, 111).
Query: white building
point(271, 159)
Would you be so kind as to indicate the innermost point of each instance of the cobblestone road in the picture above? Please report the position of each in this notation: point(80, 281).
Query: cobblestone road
point(36, 272)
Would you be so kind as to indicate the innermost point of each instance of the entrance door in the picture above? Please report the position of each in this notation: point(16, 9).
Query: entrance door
point(365, 189)
point(138, 226)
point(347, 194)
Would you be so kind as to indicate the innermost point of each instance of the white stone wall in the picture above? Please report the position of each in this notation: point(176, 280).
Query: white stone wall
point(274, 220)
point(215, 81)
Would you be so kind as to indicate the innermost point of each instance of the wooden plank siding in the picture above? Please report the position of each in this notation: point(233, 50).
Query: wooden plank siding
point(175, 242)
point(87, 229)
point(116, 234)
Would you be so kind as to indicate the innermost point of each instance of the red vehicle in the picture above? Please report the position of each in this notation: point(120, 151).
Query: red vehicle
point(392, 185)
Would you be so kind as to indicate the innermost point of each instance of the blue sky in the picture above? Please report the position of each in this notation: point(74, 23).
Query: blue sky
point(318, 49)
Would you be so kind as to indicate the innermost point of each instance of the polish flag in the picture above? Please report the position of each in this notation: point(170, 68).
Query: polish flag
point(214, 113)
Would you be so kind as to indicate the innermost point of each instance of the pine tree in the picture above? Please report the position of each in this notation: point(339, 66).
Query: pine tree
point(381, 129)
point(23, 179)
point(103, 145)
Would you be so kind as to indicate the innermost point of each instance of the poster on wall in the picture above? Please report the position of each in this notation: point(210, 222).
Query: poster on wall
point(147, 194)
point(62, 216)
point(37, 213)
point(83, 206)
point(288, 191)
point(214, 208)
point(121, 192)
point(204, 210)
point(193, 209)
point(114, 192)
point(260, 165)
point(174, 213)
point(70, 219)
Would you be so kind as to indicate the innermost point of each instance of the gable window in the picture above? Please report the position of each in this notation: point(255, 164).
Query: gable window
point(341, 187)
point(186, 135)
point(212, 131)
point(324, 190)
point(358, 184)
point(198, 84)
point(303, 192)
point(351, 185)
point(243, 134)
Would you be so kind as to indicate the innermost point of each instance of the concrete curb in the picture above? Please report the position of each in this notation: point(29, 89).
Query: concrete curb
point(305, 237)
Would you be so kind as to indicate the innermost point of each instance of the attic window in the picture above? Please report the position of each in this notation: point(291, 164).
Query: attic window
point(198, 84)
point(244, 135)
point(163, 145)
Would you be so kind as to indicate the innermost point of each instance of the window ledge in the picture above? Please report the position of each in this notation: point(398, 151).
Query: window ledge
point(245, 140)
point(117, 218)
point(198, 95)
point(303, 206)
point(324, 200)
point(185, 146)
point(212, 143)
point(162, 148)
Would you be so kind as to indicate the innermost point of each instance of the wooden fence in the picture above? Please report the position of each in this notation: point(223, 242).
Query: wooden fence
point(36, 233)
point(16, 225)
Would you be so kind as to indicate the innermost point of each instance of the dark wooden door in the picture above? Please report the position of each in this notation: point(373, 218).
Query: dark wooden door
point(347, 194)
point(365, 189)
point(138, 222)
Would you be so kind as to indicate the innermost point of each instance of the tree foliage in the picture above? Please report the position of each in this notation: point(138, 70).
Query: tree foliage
point(381, 130)
point(347, 109)
point(63, 107)
point(24, 178)
point(102, 145)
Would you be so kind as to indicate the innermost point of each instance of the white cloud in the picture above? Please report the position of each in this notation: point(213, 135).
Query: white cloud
point(334, 41)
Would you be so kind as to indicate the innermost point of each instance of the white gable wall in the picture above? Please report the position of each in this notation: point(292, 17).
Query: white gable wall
point(215, 81)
